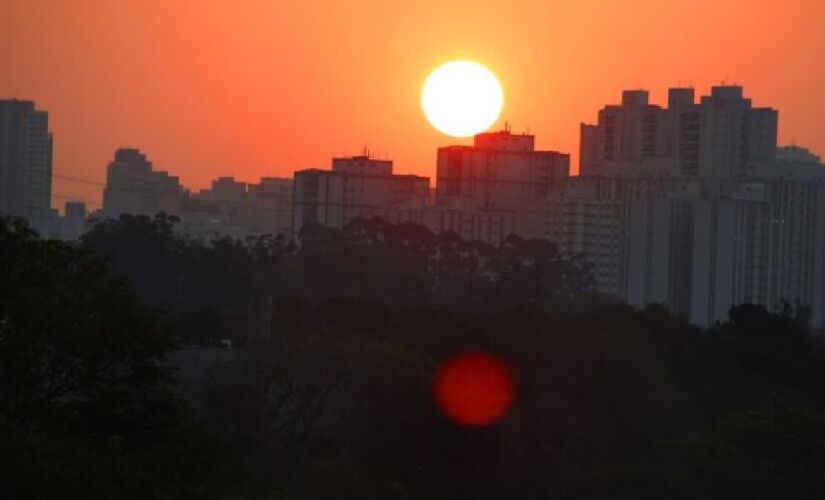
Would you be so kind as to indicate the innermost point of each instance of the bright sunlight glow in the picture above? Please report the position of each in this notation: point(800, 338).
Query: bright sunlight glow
point(462, 98)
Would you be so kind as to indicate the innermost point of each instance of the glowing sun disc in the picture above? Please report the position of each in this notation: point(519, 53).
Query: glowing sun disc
point(462, 98)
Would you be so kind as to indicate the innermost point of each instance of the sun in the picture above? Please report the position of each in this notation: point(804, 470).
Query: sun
point(462, 98)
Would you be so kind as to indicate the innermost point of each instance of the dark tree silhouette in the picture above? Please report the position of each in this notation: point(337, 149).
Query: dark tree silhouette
point(87, 408)
point(75, 344)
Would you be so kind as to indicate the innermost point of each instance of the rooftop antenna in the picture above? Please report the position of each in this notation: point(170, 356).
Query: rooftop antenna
point(366, 151)
point(507, 126)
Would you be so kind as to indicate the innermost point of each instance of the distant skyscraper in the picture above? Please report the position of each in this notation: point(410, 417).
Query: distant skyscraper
point(133, 187)
point(25, 162)
point(263, 208)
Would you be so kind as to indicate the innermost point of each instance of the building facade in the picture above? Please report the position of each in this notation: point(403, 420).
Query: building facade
point(268, 209)
point(25, 163)
point(721, 136)
point(706, 210)
point(134, 187)
point(357, 187)
point(489, 190)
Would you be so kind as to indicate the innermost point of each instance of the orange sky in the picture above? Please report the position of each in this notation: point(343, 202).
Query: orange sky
point(264, 87)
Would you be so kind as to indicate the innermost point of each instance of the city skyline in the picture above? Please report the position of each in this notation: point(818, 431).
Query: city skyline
point(364, 249)
point(692, 205)
point(271, 111)
point(92, 189)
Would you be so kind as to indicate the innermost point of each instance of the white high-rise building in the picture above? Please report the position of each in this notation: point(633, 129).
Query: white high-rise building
point(585, 217)
point(711, 213)
point(699, 246)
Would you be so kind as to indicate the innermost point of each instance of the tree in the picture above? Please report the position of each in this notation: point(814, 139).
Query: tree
point(75, 344)
point(87, 408)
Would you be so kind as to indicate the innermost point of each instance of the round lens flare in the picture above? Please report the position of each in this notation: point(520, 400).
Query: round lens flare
point(474, 389)
point(462, 98)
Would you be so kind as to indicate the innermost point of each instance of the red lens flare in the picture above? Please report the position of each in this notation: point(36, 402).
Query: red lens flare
point(474, 389)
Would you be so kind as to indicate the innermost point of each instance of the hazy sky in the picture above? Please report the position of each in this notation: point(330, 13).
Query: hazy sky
point(263, 87)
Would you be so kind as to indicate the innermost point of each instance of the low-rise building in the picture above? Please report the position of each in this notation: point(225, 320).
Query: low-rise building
point(357, 187)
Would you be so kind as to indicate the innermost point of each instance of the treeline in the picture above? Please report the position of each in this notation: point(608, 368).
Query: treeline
point(207, 287)
point(611, 401)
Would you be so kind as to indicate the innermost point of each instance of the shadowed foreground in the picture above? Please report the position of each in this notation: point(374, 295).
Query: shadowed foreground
point(610, 402)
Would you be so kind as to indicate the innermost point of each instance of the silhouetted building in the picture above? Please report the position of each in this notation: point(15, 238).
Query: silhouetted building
point(73, 223)
point(357, 187)
point(795, 153)
point(215, 212)
point(226, 193)
point(721, 136)
point(485, 191)
point(75, 209)
point(794, 162)
point(269, 206)
point(263, 208)
point(133, 187)
point(25, 163)
point(500, 171)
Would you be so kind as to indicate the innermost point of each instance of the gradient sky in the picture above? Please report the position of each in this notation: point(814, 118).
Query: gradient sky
point(253, 87)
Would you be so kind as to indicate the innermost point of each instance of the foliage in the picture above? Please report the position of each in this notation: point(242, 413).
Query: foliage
point(400, 265)
point(75, 345)
point(612, 401)
point(87, 408)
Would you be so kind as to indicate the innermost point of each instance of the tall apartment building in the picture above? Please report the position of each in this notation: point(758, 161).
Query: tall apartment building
point(585, 217)
point(25, 162)
point(709, 213)
point(719, 244)
point(722, 135)
point(763, 242)
point(133, 187)
point(622, 227)
point(357, 187)
point(488, 191)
